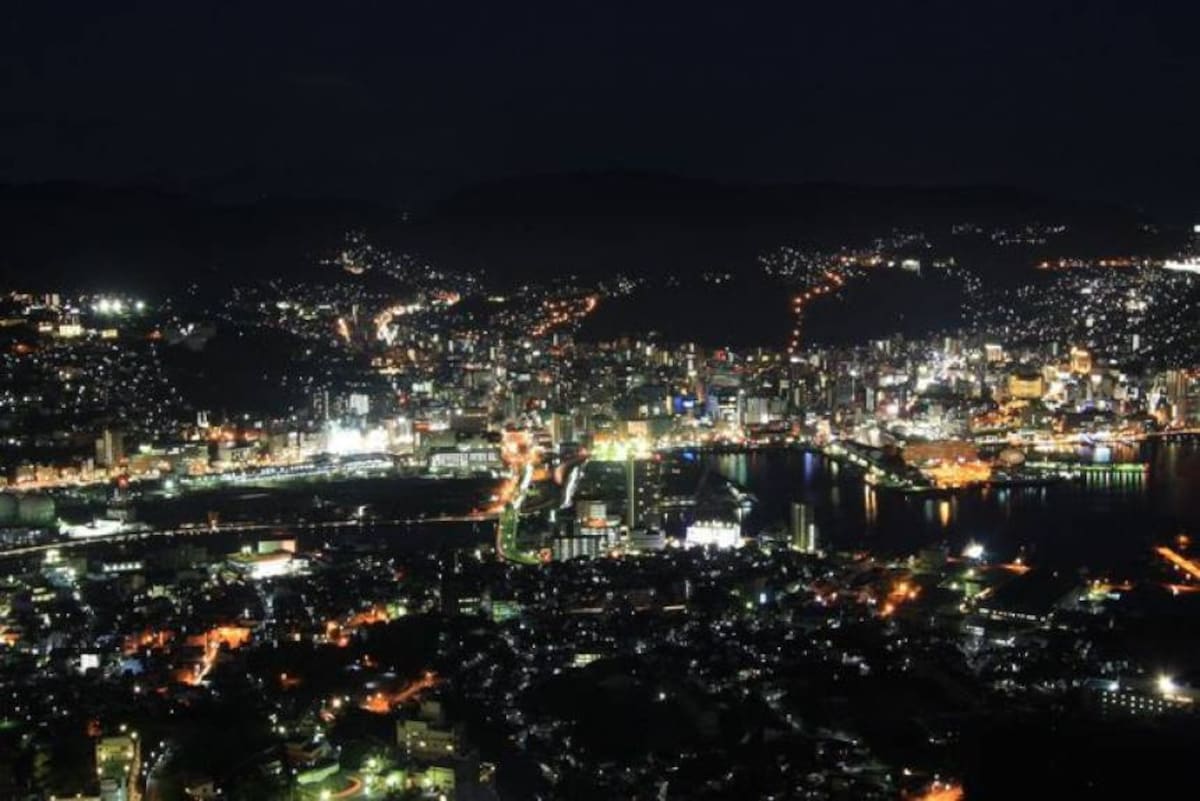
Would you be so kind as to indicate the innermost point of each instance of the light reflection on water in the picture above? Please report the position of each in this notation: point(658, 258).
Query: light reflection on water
point(1106, 521)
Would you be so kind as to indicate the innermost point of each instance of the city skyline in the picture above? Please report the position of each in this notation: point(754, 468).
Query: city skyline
point(589, 402)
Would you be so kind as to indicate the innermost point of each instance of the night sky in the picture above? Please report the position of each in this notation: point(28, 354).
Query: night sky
point(402, 100)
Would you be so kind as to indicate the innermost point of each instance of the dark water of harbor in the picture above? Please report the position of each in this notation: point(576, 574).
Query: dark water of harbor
point(315, 512)
point(1105, 524)
point(289, 501)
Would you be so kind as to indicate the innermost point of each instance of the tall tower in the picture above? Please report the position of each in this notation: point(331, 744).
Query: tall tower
point(643, 492)
point(803, 529)
point(1177, 395)
point(631, 492)
point(797, 324)
point(110, 448)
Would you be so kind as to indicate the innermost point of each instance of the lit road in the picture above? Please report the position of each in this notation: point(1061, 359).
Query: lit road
point(135, 772)
point(521, 457)
point(832, 282)
point(381, 703)
point(153, 785)
point(1182, 562)
point(506, 527)
point(356, 784)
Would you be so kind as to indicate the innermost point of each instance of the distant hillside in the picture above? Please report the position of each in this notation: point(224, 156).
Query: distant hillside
point(56, 235)
point(601, 223)
point(594, 224)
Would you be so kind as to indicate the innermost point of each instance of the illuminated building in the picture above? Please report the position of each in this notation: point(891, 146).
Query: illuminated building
point(1183, 395)
point(562, 428)
point(725, 403)
point(1189, 262)
point(400, 435)
point(757, 411)
point(70, 329)
point(109, 567)
point(643, 492)
point(465, 459)
point(715, 533)
point(110, 448)
point(1145, 697)
point(1031, 598)
point(1191, 265)
point(1026, 385)
point(803, 529)
point(262, 565)
point(116, 763)
point(608, 449)
point(473, 421)
point(359, 403)
point(426, 739)
point(595, 532)
point(1081, 361)
point(350, 440)
point(563, 549)
point(940, 450)
point(646, 540)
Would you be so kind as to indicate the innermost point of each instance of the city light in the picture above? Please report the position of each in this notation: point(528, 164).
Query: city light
point(689, 482)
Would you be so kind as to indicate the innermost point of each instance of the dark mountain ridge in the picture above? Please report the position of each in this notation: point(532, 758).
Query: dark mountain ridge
point(590, 224)
point(597, 224)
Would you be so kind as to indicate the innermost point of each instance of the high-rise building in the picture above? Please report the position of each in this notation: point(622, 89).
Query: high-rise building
point(1183, 394)
point(756, 411)
point(563, 549)
point(1081, 360)
point(110, 448)
point(562, 428)
point(643, 492)
point(359, 403)
point(803, 529)
point(593, 533)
